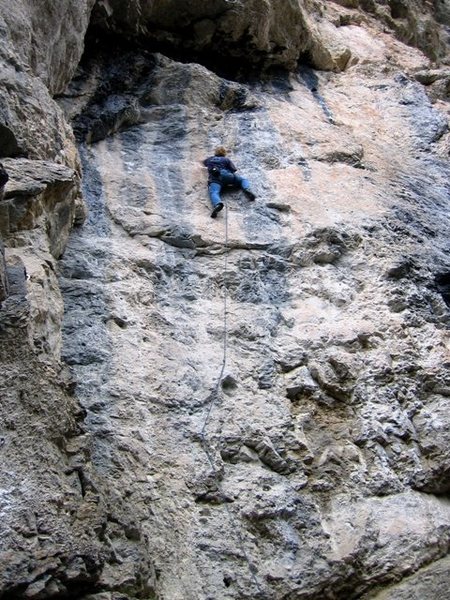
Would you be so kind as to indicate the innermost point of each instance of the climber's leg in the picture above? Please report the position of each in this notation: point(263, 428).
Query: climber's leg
point(214, 190)
point(244, 184)
point(214, 195)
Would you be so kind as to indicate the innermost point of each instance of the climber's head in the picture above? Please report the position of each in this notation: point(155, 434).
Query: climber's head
point(220, 151)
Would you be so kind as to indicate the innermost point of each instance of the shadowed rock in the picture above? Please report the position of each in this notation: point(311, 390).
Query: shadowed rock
point(252, 406)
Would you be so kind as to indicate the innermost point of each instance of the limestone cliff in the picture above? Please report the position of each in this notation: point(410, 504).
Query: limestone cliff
point(249, 407)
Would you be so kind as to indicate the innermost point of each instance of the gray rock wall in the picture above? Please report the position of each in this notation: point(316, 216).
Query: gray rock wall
point(257, 31)
point(45, 39)
point(249, 407)
point(323, 476)
point(272, 32)
point(42, 45)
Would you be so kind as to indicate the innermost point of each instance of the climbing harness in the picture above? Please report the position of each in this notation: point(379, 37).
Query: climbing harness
point(213, 398)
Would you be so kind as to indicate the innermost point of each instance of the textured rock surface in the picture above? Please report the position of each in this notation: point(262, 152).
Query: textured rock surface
point(33, 70)
point(273, 32)
point(307, 457)
point(29, 25)
point(260, 30)
point(431, 582)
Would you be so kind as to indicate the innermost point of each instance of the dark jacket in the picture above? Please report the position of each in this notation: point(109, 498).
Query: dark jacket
point(220, 162)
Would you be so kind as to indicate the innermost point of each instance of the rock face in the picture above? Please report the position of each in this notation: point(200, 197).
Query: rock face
point(33, 70)
point(230, 33)
point(259, 31)
point(249, 407)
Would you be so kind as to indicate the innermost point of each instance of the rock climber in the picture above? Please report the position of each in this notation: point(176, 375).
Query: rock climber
point(222, 172)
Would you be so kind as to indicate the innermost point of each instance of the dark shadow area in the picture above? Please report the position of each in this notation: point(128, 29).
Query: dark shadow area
point(229, 66)
point(73, 590)
point(443, 285)
point(8, 143)
point(119, 72)
point(399, 10)
point(241, 63)
point(308, 76)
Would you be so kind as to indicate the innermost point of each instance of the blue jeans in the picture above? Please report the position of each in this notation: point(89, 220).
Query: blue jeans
point(226, 179)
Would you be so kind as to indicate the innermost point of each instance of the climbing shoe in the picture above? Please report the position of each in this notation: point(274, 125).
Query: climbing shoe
point(216, 210)
point(250, 195)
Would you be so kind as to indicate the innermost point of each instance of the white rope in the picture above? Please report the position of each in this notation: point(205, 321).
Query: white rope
point(214, 397)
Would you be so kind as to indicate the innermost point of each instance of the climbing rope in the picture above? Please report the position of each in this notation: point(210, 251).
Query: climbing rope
point(215, 393)
point(214, 397)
